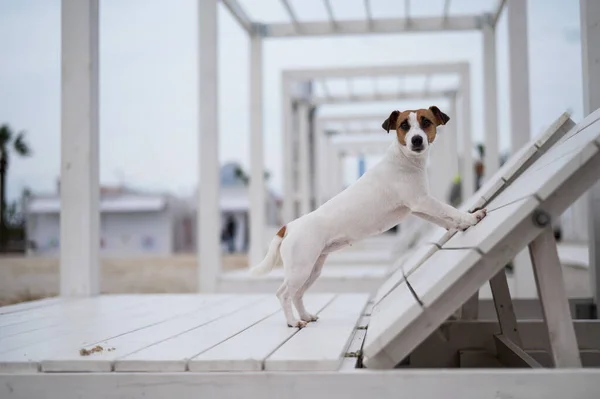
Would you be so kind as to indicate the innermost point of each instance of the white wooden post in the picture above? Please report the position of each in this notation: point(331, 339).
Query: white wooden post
point(452, 133)
point(590, 50)
point(257, 179)
point(303, 159)
point(79, 172)
point(320, 163)
point(518, 54)
point(490, 90)
point(288, 152)
point(467, 167)
point(209, 212)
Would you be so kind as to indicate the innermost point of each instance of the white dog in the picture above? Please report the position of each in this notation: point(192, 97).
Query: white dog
point(376, 202)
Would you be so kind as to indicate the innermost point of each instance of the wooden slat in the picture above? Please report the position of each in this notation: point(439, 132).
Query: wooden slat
point(390, 317)
point(53, 317)
point(587, 121)
point(69, 320)
point(440, 271)
point(418, 256)
point(98, 328)
point(25, 306)
point(173, 354)
point(247, 350)
point(494, 227)
point(551, 290)
point(322, 345)
point(550, 172)
point(209, 308)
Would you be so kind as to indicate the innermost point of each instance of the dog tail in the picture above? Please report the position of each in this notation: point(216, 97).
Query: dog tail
point(272, 257)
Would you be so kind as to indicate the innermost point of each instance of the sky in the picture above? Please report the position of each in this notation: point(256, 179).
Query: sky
point(148, 80)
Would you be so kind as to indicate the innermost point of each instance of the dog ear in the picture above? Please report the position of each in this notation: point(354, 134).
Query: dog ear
point(390, 122)
point(441, 117)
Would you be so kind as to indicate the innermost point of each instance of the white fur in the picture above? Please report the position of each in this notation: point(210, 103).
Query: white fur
point(376, 202)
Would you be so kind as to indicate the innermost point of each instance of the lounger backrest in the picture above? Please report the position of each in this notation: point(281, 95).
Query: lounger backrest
point(449, 277)
point(428, 237)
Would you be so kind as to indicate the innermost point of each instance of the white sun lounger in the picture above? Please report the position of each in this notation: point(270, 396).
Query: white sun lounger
point(518, 215)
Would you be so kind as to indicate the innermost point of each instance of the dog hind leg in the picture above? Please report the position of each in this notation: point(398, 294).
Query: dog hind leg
point(298, 297)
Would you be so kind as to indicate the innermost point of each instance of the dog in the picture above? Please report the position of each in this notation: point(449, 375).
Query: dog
point(379, 200)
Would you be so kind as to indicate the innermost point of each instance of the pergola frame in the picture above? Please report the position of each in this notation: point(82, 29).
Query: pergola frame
point(300, 105)
point(79, 135)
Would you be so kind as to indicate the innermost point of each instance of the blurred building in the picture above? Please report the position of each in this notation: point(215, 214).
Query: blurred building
point(133, 222)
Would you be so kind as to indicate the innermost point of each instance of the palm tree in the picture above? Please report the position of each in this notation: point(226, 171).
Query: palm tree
point(9, 142)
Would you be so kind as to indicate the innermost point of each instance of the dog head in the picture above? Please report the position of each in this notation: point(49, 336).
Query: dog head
point(416, 129)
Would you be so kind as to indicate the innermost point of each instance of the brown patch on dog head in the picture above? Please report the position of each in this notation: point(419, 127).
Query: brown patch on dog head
point(440, 117)
point(390, 122)
point(281, 232)
point(428, 120)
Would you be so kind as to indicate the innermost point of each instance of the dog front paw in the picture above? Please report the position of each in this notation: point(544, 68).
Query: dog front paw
point(471, 219)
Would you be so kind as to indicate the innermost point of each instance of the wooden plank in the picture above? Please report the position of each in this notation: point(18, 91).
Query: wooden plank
point(511, 355)
point(504, 308)
point(24, 306)
point(422, 384)
point(69, 322)
point(321, 345)
point(173, 354)
point(247, 350)
point(99, 327)
point(440, 271)
point(44, 318)
point(589, 357)
point(416, 259)
point(394, 313)
point(587, 121)
point(209, 309)
point(551, 289)
point(498, 223)
point(546, 175)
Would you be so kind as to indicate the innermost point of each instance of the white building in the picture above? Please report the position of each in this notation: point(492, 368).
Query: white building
point(137, 223)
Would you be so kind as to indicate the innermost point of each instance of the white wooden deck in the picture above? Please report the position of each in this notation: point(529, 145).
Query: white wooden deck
point(175, 333)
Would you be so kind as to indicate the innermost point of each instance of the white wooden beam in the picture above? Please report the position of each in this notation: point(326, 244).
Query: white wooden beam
point(304, 158)
point(497, 12)
point(490, 91)
point(257, 167)
point(290, 11)
point(288, 152)
point(209, 212)
point(553, 298)
point(590, 51)
point(239, 14)
point(420, 383)
point(374, 97)
point(467, 169)
point(511, 355)
point(387, 70)
point(363, 26)
point(518, 71)
point(79, 172)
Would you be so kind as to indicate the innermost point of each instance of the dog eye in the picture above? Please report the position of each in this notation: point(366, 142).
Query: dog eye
point(404, 125)
point(425, 123)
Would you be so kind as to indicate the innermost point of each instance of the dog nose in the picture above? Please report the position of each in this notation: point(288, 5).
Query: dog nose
point(417, 141)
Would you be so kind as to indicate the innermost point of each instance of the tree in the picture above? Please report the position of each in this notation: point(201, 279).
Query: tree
point(9, 142)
